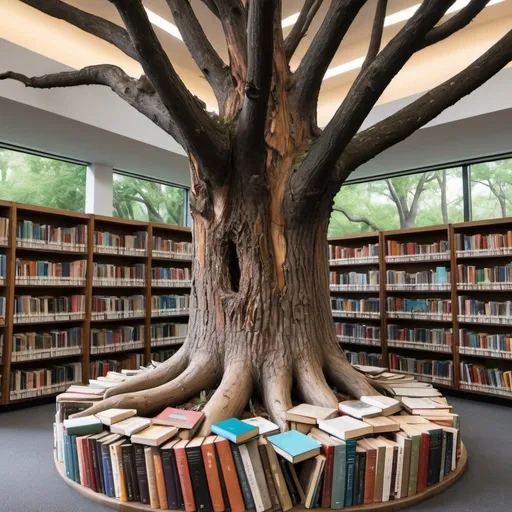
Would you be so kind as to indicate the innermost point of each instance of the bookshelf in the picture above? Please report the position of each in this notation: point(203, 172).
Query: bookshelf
point(76, 296)
point(444, 308)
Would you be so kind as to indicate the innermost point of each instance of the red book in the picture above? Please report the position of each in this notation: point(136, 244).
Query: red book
point(87, 461)
point(228, 468)
point(212, 473)
point(184, 474)
point(182, 419)
point(423, 465)
point(371, 468)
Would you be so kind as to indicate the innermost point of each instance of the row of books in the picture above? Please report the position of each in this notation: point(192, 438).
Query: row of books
point(366, 253)
point(28, 383)
point(358, 333)
point(48, 272)
point(31, 234)
point(115, 275)
point(440, 277)
point(494, 243)
point(171, 274)
point(420, 336)
point(125, 337)
point(42, 345)
point(364, 358)
point(113, 243)
point(495, 278)
point(162, 355)
point(486, 379)
point(163, 304)
point(165, 248)
point(4, 230)
point(355, 307)
point(418, 308)
point(100, 368)
point(163, 333)
point(3, 267)
point(434, 369)
point(355, 279)
point(30, 309)
point(115, 306)
point(413, 251)
point(490, 311)
point(1, 351)
point(497, 345)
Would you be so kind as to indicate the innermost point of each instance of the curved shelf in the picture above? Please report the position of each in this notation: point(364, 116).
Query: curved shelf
point(389, 506)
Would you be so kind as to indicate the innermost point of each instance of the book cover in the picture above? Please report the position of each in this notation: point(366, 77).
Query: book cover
point(406, 446)
point(359, 474)
point(261, 501)
point(179, 418)
point(339, 476)
point(129, 472)
point(74, 453)
point(229, 473)
point(449, 453)
point(155, 435)
point(141, 471)
point(266, 427)
point(212, 473)
point(160, 481)
point(350, 469)
point(83, 426)
point(434, 456)
point(111, 416)
point(306, 413)
point(388, 470)
point(235, 430)
point(242, 478)
point(370, 469)
point(107, 464)
point(171, 477)
point(345, 427)
point(184, 474)
point(359, 409)
point(198, 475)
point(295, 446)
point(150, 470)
point(130, 426)
point(274, 497)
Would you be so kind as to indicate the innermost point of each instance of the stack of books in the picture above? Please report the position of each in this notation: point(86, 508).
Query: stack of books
point(171, 277)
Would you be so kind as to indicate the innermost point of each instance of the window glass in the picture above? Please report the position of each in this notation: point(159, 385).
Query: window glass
point(41, 181)
point(423, 199)
point(491, 189)
point(139, 199)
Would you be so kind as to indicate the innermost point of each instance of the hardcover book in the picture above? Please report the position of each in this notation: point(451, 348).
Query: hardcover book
point(311, 414)
point(212, 473)
point(294, 446)
point(198, 475)
point(130, 426)
point(359, 409)
point(345, 427)
point(235, 430)
point(171, 477)
point(83, 426)
point(154, 435)
point(180, 418)
point(111, 416)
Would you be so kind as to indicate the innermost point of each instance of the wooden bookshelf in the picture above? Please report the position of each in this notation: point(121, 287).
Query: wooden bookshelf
point(34, 250)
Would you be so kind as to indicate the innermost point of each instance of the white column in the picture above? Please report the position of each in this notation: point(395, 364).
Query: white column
point(99, 188)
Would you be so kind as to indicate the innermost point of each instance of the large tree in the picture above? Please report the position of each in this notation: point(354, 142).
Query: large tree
point(264, 176)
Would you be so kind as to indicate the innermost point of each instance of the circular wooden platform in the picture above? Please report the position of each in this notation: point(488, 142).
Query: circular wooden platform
point(389, 506)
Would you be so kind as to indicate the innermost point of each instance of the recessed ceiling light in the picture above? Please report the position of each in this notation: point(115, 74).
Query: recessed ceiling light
point(397, 17)
point(290, 20)
point(163, 24)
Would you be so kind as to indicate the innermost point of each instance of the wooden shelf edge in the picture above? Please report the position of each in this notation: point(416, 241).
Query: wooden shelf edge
point(389, 506)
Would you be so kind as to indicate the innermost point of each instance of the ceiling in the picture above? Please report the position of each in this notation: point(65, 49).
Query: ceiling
point(354, 45)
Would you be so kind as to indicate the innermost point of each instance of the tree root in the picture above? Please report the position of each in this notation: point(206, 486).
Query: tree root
point(312, 386)
point(277, 397)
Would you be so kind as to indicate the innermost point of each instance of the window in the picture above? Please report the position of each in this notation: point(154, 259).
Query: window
point(415, 200)
point(41, 181)
point(491, 190)
point(139, 199)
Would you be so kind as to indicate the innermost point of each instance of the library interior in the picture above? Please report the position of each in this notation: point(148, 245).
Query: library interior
point(255, 255)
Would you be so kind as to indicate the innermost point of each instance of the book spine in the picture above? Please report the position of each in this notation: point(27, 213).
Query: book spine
point(96, 486)
point(434, 457)
point(359, 483)
point(449, 453)
point(423, 462)
point(185, 481)
point(277, 476)
point(169, 468)
point(160, 481)
point(414, 467)
point(274, 498)
point(88, 463)
point(338, 477)
point(294, 495)
point(212, 476)
point(99, 459)
point(198, 479)
point(142, 475)
point(150, 468)
point(67, 456)
point(242, 478)
point(227, 464)
point(328, 451)
point(115, 471)
point(350, 469)
point(251, 478)
point(369, 477)
point(107, 470)
point(126, 460)
point(76, 476)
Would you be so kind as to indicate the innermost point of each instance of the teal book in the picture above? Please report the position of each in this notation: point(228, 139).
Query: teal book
point(83, 426)
point(350, 470)
point(440, 275)
point(435, 456)
point(68, 457)
point(338, 476)
point(235, 430)
point(295, 446)
point(74, 453)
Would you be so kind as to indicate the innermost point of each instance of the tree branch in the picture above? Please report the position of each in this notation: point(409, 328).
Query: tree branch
point(397, 201)
point(463, 18)
point(301, 26)
point(202, 51)
point(397, 127)
point(351, 218)
point(417, 194)
point(90, 23)
point(376, 36)
point(310, 73)
point(201, 134)
point(212, 6)
point(135, 92)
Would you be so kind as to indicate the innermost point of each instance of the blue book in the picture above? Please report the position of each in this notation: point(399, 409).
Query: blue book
point(74, 453)
point(83, 426)
point(235, 430)
point(440, 275)
point(68, 459)
point(295, 446)
point(350, 470)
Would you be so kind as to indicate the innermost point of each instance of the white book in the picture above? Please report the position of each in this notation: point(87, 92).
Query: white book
point(103, 384)
point(85, 390)
point(345, 427)
point(115, 468)
point(116, 376)
point(416, 392)
point(111, 416)
point(130, 426)
point(251, 478)
point(259, 472)
point(130, 373)
point(387, 404)
point(266, 427)
point(397, 491)
point(388, 468)
point(359, 409)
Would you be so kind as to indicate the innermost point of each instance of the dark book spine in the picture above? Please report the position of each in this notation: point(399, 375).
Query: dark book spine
point(393, 473)
point(142, 475)
point(274, 498)
point(126, 457)
point(434, 457)
point(317, 500)
point(290, 484)
point(225, 496)
point(107, 470)
point(170, 484)
point(99, 459)
point(198, 478)
point(449, 453)
point(96, 486)
point(179, 492)
point(76, 477)
point(135, 480)
point(242, 478)
point(360, 472)
point(351, 461)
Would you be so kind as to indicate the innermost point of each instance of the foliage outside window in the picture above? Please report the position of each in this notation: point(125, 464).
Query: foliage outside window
point(401, 202)
point(41, 181)
point(139, 199)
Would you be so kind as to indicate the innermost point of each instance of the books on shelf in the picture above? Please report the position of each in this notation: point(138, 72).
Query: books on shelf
point(351, 308)
point(494, 244)
point(117, 339)
point(471, 277)
point(485, 344)
point(168, 334)
point(4, 231)
point(119, 275)
point(339, 255)
point(123, 244)
point(354, 281)
point(3, 268)
point(432, 279)
point(168, 305)
point(101, 368)
point(432, 370)
point(28, 346)
point(169, 249)
point(412, 251)
point(484, 312)
point(477, 377)
point(171, 277)
point(29, 309)
point(161, 355)
point(357, 333)
point(419, 309)
point(112, 307)
point(48, 273)
point(364, 358)
point(419, 337)
point(34, 235)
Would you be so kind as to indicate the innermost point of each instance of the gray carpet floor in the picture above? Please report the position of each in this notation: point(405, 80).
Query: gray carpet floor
point(30, 483)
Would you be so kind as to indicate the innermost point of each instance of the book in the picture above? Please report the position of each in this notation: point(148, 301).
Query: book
point(339, 474)
point(419, 392)
point(359, 474)
point(151, 474)
point(184, 476)
point(198, 474)
point(388, 469)
point(107, 463)
point(328, 445)
point(212, 473)
point(252, 465)
point(309, 477)
point(142, 473)
point(294, 446)
point(160, 480)
point(350, 471)
point(419, 406)
point(382, 424)
point(266, 427)
point(405, 443)
point(311, 414)
point(295, 478)
point(388, 405)
point(171, 477)
point(83, 426)
point(345, 427)
point(290, 482)
point(130, 426)
point(118, 470)
point(370, 470)
point(111, 416)
point(180, 418)
point(407, 419)
point(229, 474)
point(304, 428)
point(154, 435)
point(77, 389)
point(379, 467)
point(235, 430)
point(265, 462)
point(358, 409)
point(130, 477)
point(242, 478)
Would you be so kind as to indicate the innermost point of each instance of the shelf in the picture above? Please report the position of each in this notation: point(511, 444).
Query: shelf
point(427, 288)
point(486, 353)
point(57, 283)
point(46, 248)
point(49, 319)
point(170, 283)
point(40, 392)
point(484, 253)
point(120, 347)
point(446, 382)
point(418, 258)
point(359, 341)
point(341, 262)
point(142, 254)
point(482, 389)
point(418, 316)
point(105, 318)
point(161, 256)
point(355, 314)
point(45, 354)
point(119, 283)
point(167, 312)
point(354, 288)
point(424, 347)
point(484, 320)
point(162, 342)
